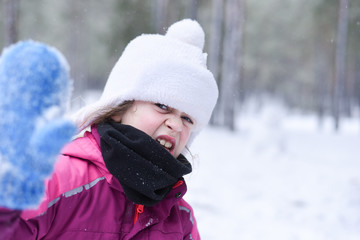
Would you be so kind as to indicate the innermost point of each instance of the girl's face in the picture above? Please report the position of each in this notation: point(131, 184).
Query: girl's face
point(170, 127)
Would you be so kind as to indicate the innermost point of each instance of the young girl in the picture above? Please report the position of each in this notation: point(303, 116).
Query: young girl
point(123, 178)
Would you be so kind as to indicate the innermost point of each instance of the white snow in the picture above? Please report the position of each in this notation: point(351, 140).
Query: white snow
point(279, 177)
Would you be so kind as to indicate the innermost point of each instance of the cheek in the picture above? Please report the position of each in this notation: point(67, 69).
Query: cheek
point(147, 127)
point(148, 124)
point(142, 120)
point(185, 137)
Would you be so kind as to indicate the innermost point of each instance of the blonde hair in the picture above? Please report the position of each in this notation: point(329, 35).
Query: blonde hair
point(106, 114)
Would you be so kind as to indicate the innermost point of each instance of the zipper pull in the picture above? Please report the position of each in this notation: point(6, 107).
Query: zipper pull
point(178, 184)
point(138, 210)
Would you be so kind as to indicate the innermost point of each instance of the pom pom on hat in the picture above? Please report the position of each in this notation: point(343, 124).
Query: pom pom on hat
point(187, 31)
point(168, 69)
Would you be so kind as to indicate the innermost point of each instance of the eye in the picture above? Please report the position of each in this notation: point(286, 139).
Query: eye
point(162, 106)
point(186, 118)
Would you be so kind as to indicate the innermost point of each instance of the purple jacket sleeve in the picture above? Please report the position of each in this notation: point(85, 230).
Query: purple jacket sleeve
point(12, 226)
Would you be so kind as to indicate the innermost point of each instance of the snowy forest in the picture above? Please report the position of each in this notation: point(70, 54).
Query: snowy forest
point(303, 52)
point(280, 160)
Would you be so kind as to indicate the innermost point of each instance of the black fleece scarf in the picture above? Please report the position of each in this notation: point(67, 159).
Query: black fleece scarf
point(146, 170)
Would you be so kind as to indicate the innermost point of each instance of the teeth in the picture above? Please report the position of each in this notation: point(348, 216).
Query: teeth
point(168, 145)
point(165, 143)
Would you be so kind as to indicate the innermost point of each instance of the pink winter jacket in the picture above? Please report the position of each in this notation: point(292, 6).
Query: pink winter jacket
point(84, 201)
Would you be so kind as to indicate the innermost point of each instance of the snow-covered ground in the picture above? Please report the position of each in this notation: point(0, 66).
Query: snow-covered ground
point(279, 177)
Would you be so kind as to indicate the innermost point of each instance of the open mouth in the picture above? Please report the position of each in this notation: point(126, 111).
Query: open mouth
point(168, 144)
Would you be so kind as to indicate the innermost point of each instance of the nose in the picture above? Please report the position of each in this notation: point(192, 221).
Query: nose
point(174, 123)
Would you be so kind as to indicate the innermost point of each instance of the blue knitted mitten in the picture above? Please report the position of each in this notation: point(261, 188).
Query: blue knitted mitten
point(34, 93)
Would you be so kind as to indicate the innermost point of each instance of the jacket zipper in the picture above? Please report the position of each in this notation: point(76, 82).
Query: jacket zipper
point(138, 210)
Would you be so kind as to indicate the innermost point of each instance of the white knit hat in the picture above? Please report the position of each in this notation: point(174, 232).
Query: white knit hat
point(169, 69)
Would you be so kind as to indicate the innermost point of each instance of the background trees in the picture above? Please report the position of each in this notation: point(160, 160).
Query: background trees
point(304, 52)
point(10, 19)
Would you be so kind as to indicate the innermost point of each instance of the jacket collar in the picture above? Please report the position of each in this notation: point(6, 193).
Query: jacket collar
point(87, 148)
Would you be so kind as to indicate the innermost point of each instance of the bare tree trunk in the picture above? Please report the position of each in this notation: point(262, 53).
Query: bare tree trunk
point(357, 87)
point(349, 86)
point(174, 12)
point(321, 73)
point(191, 9)
point(11, 18)
point(231, 66)
point(340, 60)
point(215, 47)
point(357, 81)
point(159, 8)
point(77, 45)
